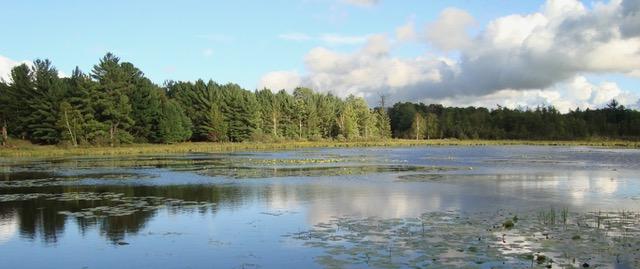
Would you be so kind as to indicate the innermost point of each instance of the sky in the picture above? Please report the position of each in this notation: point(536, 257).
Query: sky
point(566, 53)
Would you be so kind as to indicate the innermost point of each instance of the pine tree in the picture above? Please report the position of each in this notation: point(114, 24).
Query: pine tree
point(173, 124)
point(45, 104)
point(110, 101)
point(241, 113)
point(216, 127)
point(269, 111)
point(78, 93)
point(18, 94)
point(288, 127)
point(145, 101)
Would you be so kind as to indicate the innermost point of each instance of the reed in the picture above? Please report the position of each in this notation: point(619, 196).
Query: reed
point(22, 149)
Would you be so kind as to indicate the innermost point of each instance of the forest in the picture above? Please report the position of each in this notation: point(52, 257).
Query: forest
point(116, 104)
point(420, 121)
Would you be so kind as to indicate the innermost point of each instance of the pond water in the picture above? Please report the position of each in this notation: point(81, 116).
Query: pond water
point(484, 207)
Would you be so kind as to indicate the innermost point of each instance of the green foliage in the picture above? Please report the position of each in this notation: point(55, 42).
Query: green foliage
point(541, 123)
point(5, 113)
point(17, 95)
point(383, 122)
point(431, 125)
point(418, 127)
point(117, 104)
point(71, 123)
point(241, 113)
point(145, 109)
point(174, 125)
point(32, 99)
point(348, 120)
point(110, 99)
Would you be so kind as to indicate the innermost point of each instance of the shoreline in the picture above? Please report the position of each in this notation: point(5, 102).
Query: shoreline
point(26, 151)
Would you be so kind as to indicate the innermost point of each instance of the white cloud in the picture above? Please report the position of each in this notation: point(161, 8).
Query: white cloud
point(366, 72)
point(280, 80)
point(362, 3)
point(525, 59)
point(578, 92)
point(406, 32)
point(449, 32)
point(6, 65)
point(634, 73)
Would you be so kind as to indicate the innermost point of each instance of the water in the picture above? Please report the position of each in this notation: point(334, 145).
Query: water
point(290, 209)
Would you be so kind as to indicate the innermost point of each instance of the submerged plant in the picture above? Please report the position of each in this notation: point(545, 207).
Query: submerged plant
point(508, 224)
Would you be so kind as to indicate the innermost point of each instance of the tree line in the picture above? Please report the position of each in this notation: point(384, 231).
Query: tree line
point(420, 121)
point(116, 104)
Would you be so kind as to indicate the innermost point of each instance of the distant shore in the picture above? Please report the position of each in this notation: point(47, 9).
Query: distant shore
point(24, 149)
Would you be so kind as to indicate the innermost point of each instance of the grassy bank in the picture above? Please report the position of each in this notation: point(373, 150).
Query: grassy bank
point(25, 149)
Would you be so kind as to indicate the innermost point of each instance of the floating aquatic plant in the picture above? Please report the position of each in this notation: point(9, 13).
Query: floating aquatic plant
point(456, 239)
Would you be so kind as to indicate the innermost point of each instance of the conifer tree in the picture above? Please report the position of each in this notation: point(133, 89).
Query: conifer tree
point(241, 113)
point(45, 104)
point(111, 103)
point(173, 124)
point(18, 94)
point(269, 111)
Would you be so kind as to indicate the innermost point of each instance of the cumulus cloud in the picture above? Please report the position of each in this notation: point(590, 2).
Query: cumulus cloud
point(575, 93)
point(541, 57)
point(362, 3)
point(280, 80)
point(6, 65)
point(449, 32)
point(406, 33)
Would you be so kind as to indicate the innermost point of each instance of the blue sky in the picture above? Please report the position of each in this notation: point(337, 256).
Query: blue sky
point(168, 39)
point(236, 41)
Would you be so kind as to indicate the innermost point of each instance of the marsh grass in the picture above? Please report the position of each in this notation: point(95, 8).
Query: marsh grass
point(24, 149)
point(564, 216)
point(547, 217)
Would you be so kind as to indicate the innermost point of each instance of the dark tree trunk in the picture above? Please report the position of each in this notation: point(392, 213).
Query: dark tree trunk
point(5, 135)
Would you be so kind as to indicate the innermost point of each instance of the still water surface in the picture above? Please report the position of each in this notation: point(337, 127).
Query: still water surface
point(262, 210)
